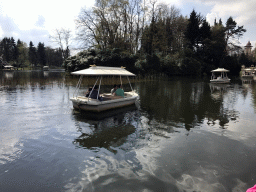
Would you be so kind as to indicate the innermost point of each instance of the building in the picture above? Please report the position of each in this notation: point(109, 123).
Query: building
point(248, 49)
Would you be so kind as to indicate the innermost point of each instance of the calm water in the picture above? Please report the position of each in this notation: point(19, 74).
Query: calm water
point(182, 135)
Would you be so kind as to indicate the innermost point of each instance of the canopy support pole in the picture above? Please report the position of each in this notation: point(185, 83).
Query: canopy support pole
point(99, 88)
point(129, 82)
point(121, 81)
point(93, 88)
point(78, 85)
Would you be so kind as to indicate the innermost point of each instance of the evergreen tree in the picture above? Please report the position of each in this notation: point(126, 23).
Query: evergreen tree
point(5, 49)
point(232, 34)
point(32, 56)
point(23, 53)
point(41, 55)
point(220, 22)
point(14, 50)
point(192, 32)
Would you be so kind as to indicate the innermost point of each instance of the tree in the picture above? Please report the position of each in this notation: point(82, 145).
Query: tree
point(14, 50)
point(54, 57)
point(5, 49)
point(41, 55)
point(32, 56)
point(111, 24)
point(62, 37)
point(232, 35)
point(23, 52)
point(192, 32)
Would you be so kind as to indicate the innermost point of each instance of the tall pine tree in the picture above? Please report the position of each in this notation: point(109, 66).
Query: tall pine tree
point(192, 32)
point(41, 55)
point(32, 56)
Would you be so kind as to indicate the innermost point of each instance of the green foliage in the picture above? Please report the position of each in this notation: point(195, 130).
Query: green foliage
point(32, 53)
point(190, 65)
point(231, 63)
point(244, 60)
point(41, 54)
point(19, 55)
point(170, 65)
point(192, 33)
point(112, 58)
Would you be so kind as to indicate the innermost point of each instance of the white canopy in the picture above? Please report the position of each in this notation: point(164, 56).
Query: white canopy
point(99, 70)
point(248, 69)
point(220, 70)
point(8, 66)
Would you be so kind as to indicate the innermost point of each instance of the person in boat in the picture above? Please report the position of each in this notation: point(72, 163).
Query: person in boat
point(95, 93)
point(119, 91)
point(114, 89)
point(88, 92)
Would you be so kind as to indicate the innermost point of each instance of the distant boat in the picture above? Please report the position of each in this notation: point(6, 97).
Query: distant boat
point(248, 73)
point(8, 68)
point(220, 76)
point(46, 68)
point(108, 101)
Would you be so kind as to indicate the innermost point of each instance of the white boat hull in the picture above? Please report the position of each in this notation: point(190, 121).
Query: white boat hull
point(220, 81)
point(83, 103)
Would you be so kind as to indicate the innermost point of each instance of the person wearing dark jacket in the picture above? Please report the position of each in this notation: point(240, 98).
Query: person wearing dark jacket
point(95, 93)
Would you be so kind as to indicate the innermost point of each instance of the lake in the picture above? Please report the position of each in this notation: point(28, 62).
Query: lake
point(183, 134)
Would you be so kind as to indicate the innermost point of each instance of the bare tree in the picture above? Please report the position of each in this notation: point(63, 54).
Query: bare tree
point(62, 38)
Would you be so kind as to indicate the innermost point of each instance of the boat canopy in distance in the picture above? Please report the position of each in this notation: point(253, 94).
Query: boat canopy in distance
point(220, 70)
point(100, 70)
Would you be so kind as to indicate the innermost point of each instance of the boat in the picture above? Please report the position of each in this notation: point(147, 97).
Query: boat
point(46, 68)
point(247, 73)
point(107, 101)
point(8, 68)
point(220, 76)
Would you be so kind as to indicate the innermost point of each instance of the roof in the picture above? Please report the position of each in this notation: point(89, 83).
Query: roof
point(248, 69)
point(99, 70)
point(248, 44)
point(8, 66)
point(220, 70)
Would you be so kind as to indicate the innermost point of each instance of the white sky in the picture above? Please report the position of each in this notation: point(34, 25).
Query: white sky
point(30, 20)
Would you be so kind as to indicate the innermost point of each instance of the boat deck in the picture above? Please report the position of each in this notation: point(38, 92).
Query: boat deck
point(105, 97)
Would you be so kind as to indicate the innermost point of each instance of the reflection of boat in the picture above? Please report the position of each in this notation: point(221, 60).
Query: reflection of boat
point(46, 68)
point(114, 136)
point(107, 101)
point(9, 74)
point(219, 76)
point(107, 132)
point(46, 73)
point(218, 90)
point(105, 114)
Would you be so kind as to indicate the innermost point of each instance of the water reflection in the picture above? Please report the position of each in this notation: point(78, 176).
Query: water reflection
point(182, 101)
point(108, 129)
point(172, 142)
point(218, 90)
point(9, 74)
point(46, 73)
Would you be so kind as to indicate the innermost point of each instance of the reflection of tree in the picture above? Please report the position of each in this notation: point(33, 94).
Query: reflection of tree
point(113, 137)
point(105, 130)
point(187, 102)
point(26, 79)
point(246, 86)
point(254, 96)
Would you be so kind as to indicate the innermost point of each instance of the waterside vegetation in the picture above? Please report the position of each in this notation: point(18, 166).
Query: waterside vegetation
point(155, 39)
point(146, 37)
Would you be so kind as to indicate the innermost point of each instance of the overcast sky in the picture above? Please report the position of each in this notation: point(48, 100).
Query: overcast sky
point(31, 20)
